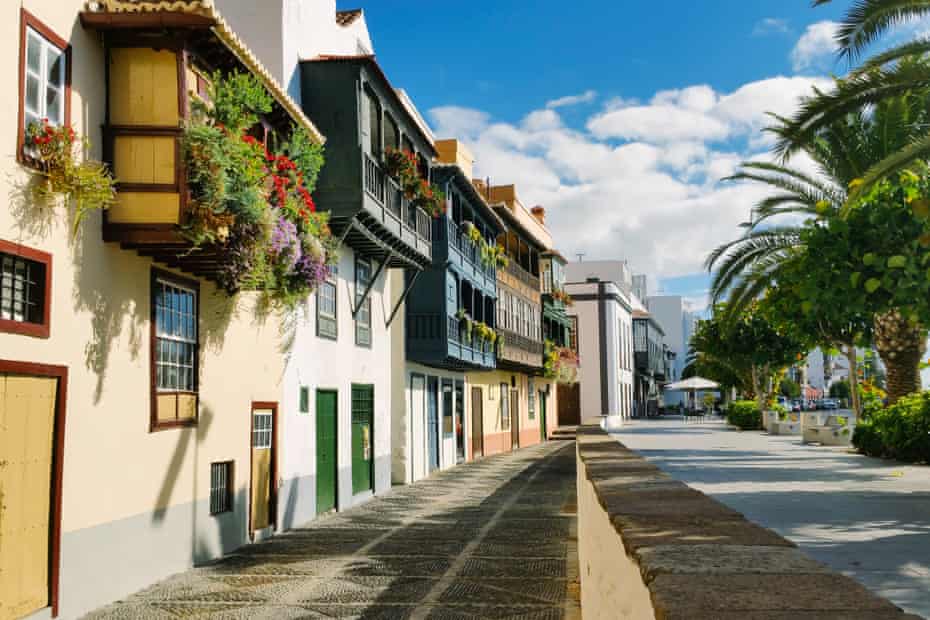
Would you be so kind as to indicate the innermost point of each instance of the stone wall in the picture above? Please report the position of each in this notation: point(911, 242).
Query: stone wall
point(652, 547)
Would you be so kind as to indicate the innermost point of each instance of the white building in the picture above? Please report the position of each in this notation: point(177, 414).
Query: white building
point(602, 312)
point(337, 382)
point(678, 323)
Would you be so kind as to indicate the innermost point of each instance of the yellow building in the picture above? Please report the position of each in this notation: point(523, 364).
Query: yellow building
point(138, 399)
point(517, 403)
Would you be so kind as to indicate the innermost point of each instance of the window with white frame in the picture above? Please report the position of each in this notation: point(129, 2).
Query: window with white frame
point(176, 337)
point(531, 398)
point(363, 317)
point(44, 80)
point(262, 428)
point(327, 322)
point(22, 289)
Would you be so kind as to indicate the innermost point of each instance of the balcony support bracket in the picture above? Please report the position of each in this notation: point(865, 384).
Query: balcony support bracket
point(359, 302)
point(403, 297)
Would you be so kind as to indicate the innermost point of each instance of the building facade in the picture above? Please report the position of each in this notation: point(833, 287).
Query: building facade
point(602, 320)
point(650, 364)
point(450, 327)
point(159, 391)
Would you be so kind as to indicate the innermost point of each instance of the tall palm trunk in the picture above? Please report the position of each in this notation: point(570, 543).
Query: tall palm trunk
point(901, 344)
point(853, 379)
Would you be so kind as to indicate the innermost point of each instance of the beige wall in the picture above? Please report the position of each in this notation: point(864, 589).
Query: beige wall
point(611, 584)
point(113, 466)
point(496, 438)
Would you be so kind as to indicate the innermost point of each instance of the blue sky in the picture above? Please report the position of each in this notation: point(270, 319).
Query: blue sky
point(619, 117)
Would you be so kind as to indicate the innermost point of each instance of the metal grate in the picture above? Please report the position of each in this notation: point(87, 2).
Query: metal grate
point(220, 487)
point(22, 289)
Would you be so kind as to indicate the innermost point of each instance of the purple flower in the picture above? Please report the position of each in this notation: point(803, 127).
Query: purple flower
point(285, 244)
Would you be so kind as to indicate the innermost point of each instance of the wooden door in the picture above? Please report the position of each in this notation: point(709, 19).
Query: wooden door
point(326, 463)
point(477, 422)
point(27, 426)
point(262, 497)
point(569, 413)
point(363, 419)
point(432, 422)
point(514, 419)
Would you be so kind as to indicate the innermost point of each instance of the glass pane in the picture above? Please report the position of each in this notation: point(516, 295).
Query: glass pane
point(53, 106)
point(34, 54)
point(56, 64)
point(32, 94)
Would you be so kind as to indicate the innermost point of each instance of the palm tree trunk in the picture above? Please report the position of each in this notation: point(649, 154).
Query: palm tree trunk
point(901, 344)
point(853, 379)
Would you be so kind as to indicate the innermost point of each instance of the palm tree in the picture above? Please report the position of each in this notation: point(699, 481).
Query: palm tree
point(886, 75)
point(843, 150)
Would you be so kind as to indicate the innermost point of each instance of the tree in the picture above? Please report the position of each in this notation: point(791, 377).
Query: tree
point(748, 345)
point(886, 75)
point(789, 388)
point(840, 389)
point(843, 151)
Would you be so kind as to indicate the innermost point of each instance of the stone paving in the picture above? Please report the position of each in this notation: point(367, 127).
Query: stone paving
point(492, 539)
point(864, 517)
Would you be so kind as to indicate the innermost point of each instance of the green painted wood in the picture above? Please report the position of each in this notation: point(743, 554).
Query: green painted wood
point(326, 464)
point(542, 415)
point(363, 414)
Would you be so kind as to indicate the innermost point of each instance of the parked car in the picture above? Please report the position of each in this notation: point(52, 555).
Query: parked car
point(830, 403)
point(796, 406)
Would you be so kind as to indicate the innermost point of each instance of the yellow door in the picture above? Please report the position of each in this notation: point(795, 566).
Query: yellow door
point(262, 437)
point(27, 418)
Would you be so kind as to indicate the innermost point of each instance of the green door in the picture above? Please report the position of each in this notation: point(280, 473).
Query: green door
point(542, 414)
point(325, 451)
point(363, 414)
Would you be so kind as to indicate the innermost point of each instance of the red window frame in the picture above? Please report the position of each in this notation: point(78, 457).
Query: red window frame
point(28, 20)
point(24, 328)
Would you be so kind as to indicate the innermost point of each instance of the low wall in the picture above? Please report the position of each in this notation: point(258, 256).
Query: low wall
point(652, 547)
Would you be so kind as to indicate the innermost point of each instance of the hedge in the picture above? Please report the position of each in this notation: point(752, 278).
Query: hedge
point(745, 414)
point(901, 431)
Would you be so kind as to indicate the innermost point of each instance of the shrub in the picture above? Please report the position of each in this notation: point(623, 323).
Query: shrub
point(745, 414)
point(901, 431)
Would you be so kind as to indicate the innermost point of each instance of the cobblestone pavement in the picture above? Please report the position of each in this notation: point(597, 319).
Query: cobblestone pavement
point(491, 539)
point(867, 518)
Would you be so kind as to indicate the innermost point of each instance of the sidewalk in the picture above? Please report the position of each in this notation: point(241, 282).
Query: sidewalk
point(491, 539)
point(864, 517)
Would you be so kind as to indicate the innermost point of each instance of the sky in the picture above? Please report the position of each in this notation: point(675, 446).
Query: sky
point(621, 117)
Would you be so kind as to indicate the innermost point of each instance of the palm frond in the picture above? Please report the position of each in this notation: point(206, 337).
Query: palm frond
point(736, 258)
point(897, 161)
point(867, 20)
point(906, 51)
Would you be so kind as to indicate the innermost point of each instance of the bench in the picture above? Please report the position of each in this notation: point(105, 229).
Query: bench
point(837, 430)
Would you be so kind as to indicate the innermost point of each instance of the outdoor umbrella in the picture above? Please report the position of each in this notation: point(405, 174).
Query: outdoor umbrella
point(692, 385)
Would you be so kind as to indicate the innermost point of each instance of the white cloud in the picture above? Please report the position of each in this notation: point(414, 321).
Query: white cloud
point(816, 48)
point(770, 25)
point(586, 97)
point(642, 181)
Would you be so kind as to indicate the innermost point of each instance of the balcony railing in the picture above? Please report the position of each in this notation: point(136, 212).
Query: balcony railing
point(522, 274)
point(513, 339)
point(460, 242)
point(386, 192)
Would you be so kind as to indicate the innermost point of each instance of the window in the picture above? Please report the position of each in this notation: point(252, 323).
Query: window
point(447, 422)
point(25, 290)
point(304, 399)
point(45, 72)
point(176, 337)
point(175, 350)
point(374, 124)
point(573, 334)
point(262, 428)
point(363, 317)
point(327, 322)
point(391, 133)
point(221, 486)
point(505, 407)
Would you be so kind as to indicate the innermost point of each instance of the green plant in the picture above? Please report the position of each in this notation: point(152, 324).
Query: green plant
point(87, 183)
point(744, 414)
point(560, 364)
point(402, 166)
point(254, 204)
point(900, 431)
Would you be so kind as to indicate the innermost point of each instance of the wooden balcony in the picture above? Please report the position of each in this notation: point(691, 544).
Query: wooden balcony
point(440, 340)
